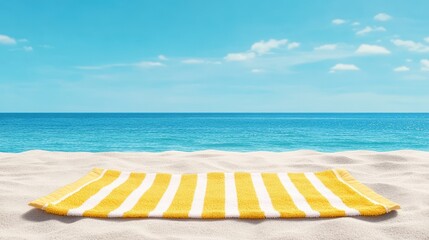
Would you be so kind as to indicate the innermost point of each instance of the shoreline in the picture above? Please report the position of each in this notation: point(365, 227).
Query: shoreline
point(217, 151)
point(400, 176)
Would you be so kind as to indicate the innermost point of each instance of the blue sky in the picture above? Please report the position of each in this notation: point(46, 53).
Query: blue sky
point(214, 56)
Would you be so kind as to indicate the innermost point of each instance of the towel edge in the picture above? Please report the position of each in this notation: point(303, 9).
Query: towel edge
point(61, 192)
point(365, 190)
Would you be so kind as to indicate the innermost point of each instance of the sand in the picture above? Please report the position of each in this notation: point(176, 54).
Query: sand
point(402, 176)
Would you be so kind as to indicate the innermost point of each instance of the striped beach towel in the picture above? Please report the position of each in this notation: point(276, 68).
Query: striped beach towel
point(110, 193)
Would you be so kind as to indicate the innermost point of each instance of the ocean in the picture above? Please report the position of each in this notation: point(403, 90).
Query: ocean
point(154, 132)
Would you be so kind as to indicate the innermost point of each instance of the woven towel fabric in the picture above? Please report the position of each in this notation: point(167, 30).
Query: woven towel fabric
point(110, 193)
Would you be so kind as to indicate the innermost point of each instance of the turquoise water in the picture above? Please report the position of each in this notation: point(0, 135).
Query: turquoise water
point(100, 132)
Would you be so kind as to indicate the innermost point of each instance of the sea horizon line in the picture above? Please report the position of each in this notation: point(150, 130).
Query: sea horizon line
point(238, 112)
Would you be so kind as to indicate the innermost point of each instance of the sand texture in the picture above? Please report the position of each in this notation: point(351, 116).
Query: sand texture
point(401, 176)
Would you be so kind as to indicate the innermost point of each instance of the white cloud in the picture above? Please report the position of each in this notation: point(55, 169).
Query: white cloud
point(368, 29)
point(145, 64)
point(383, 17)
point(239, 56)
point(326, 47)
point(344, 67)
point(411, 45)
point(193, 61)
point(425, 64)
point(263, 47)
point(408, 60)
point(293, 45)
point(371, 49)
point(260, 48)
point(257, 70)
point(162, 57)
point(355, 23)
point(401, 69)
point(281, 62)
point(338, 21)
point(4, 39)
point(427, 39)
point(28, 48)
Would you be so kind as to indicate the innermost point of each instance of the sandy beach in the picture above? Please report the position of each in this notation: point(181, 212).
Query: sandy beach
point(401, 176)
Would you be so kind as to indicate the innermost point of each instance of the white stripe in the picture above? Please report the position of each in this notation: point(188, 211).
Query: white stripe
point(333, 199)
point(199, 195)
point(167, 197)
point(354, 189)
point(75, 191)
point(296, 196)
point(134, 197)
point(263, 196)
point(231, 202)
point(99, 196)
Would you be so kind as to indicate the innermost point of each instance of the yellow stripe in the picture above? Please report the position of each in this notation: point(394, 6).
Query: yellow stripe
point(316, 200)
point(248, 204)
point(60, 193)
point(280, 198)
point(151, 197)
point(182, 201)
point(116, 197)
point(349, 196)
point(214, 201)
point(77, 199)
